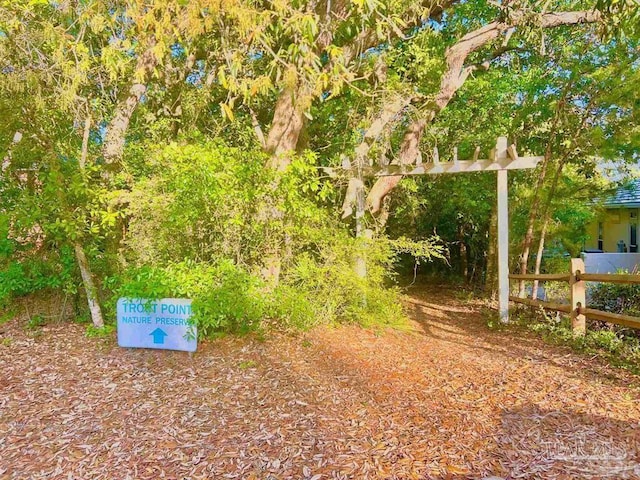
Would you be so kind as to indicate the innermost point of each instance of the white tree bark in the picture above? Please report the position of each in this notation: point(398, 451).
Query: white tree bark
point(89, 287)
point(81, 258)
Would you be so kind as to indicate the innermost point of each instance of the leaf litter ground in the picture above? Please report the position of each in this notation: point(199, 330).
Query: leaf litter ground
point(449, 400)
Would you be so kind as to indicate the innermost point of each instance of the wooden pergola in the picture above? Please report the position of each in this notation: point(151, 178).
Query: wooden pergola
point(501, 159)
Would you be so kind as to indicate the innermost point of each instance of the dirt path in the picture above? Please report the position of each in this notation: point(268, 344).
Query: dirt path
point(450, 400)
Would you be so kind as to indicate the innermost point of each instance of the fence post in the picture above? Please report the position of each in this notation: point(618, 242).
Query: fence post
point(578, 297)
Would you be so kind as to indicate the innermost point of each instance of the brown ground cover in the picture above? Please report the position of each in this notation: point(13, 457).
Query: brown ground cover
point(448, 400)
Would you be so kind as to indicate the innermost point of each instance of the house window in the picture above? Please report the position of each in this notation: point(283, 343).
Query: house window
point(600, 236)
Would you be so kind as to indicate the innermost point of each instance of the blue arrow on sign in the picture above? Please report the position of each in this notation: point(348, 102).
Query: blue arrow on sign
point(158, 335)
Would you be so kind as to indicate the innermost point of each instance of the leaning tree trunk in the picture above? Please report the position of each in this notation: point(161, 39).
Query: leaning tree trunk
point(85, 270)
point(114, 140)
point(547, 213)
point(545, 224)
point(535, 204)
point(533, 215)
point(456, 75)
point(89, 286)
point(543, 234)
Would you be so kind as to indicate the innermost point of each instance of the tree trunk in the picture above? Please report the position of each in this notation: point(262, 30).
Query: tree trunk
point(389, 112)
point(85, 143)
point(545, 224)
point(409, 152)
point(117, 129)
point(114, 140)
point(83, 263)
point(533, 215)
point(552, 192)
point(89, 287)
point(464, 264)
point(287, 124)
point(535, 204)
point(543, 234)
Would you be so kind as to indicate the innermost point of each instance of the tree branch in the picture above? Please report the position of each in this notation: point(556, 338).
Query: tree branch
point(113, 147)
point(288, 119)
point(389, 112)
point(455, 76)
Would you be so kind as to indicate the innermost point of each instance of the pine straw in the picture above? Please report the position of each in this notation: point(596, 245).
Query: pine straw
point(450, 400)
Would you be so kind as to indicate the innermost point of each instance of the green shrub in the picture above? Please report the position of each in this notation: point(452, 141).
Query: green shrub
point(219, 205)
point(225, 297)
point(49, 270)
point(336, 293)
point(36, 322)
point(289, 308)
point(105, 331)
point(616, 298)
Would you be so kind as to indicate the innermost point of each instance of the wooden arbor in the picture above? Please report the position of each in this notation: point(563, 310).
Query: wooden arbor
point(501, 159)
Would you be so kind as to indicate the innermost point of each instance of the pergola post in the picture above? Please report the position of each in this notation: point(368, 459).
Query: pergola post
point(503, 231)
point(502, 159)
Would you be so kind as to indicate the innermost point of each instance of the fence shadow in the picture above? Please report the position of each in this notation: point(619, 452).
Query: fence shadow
point(440, 315)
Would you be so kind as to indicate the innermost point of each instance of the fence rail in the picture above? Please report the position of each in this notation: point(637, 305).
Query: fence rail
point(609, 278)
point(559, 307)
point(549, 277)
point(626, 320)
point(577, 307)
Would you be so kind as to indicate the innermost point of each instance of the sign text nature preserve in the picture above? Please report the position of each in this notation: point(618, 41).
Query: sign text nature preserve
point(156, 324)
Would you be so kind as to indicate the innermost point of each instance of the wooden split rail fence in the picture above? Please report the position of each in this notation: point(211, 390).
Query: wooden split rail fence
point(577, 306)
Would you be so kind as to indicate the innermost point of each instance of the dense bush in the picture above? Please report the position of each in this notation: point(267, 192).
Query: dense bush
point(616, 298)
point(225, 298)
point(201, 220)
point(40, 269)
point(208, 202)
point(321, 287)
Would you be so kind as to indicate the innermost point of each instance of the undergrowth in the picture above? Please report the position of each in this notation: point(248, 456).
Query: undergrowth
point(620, 348)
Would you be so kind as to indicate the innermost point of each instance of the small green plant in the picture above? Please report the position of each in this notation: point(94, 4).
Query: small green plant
point(464, 295)
point(246, 364)
point(100, 332)
point(6, 342)
point(35, 322)
point(491, 318)
point(7, 316)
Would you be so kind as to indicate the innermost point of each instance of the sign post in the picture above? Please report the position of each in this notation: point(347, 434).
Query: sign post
point(163, 324)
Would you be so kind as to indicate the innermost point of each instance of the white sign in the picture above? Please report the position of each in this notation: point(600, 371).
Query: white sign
point(163, 324)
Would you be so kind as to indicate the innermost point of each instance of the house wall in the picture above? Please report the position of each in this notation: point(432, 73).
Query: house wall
point(615, 228)
point(610, 262)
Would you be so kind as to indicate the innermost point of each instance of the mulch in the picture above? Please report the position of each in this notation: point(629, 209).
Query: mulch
point(448, 400)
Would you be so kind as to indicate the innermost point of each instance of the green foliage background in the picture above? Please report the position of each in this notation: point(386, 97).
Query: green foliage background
point(193, 209)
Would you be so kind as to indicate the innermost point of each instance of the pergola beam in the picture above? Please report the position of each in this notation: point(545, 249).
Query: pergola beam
point(437, 168)
point(463, 166)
